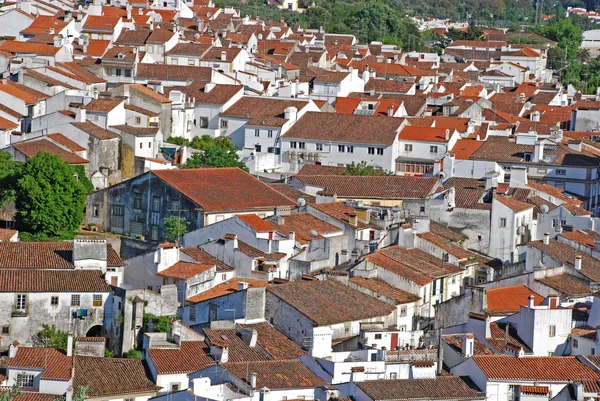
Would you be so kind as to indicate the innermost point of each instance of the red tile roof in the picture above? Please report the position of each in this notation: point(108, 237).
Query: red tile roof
point(206, 186)
point(510, 298)
point(100, 23)
point(440, 388)
point(66, 142)
point(426, 134)
point(301, 224)
point(185, 270)
point(239, 351)
point(274, 342)
point(45, 255)
point(16, 47)
point(6, 234)
point(226, 288)
point(259, 225)
point(55, 364)
point(276, 375)
point(15, 280)
point(343, 304)
point(34, 146)
point(590, 266)
point(498, 338)
point(463, 149)
point(513, 204)
point(566, 284)
point(103, 105)
point(190, 357)
point(105, 377)
point(203, 257)
point(382, 288)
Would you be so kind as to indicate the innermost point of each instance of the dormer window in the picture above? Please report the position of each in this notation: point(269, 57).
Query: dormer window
point(120, 55)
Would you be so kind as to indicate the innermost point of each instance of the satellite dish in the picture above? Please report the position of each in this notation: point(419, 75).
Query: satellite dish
point(301, 202)
point(313, 233)
point(544, 209)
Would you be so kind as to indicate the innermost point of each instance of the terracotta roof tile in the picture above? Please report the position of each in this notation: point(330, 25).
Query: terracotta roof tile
point(203, 257)
point(190, 357)
point(274, 342)
point(226, 288)
point(497, 338)
point(45, 255)
point(440, 388)
point(41, 49)
point(344, 304)
point(34, 146)
point(66, 142)
point(446, 245)
point(301, 224)
point(258, 224)
point(111, 376)
point(205, 187)
point(100, 23)
point(55, 364)
point(6, 234)
point(103, 105)
point(380, 287)
point(510, 298)
point(292, 193)
point(463, 149)
point(14, 280)
point(590, 266)
point(566, 284)
point(149, 93)
point(513, 204)
point(136, 131)
point(263, 111)
point(455, 341)
point(276, 375)
point(239, 351)
point(184, 270)
point(95, 130)
point(164, 72)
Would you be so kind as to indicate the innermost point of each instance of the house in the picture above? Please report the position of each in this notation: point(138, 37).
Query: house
point(511, 226)
point(333, 139)
point(68, 150)
point(195, 194)
point(294, 309)
point(419, 147)
point(137, 142)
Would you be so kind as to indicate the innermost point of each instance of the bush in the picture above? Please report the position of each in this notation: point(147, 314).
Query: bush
point(134, 354)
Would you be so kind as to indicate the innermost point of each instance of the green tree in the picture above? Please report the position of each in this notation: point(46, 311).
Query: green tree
point(82, 177)
point(134, 354)
point(215, 156)
point(51, 337)
point(11, 393)
point(9, 173)
point(79, 395)
point(49, 198)
point(176, 227)
point(364, 170)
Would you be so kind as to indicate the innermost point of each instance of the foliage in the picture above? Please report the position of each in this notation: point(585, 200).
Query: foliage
point(11, 393)
point(175, 227)
point(258, 8)
point(50, 200)
point(51, 337)
point(473, 33)
point(79, 395)
point(108, 353)
point(82, 177)
point(177, 140)
point(120, 318)
point(215, 156)
point(9, 172)
point(364, 170)
point(206, 141)
point(134, 354)
point(160, 324)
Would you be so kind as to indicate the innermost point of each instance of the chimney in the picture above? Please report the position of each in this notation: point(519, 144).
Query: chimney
point(467, 347)
point(242, 285)
point(12, 350)
point(70, 345)
point(531, 302)
point(223, 55)
point(575, 145)
point(208, 87)
point(253, 380)
point(353, 220)
point(51, 31)
point(579, 391)
point(578, 262)
point(553, 301)
point(538, 151)
point(447, 134)
point(225, 355)
point(233, 238)
point(292, 235)
point(546, 238)
point(390, 111)
point(57, 41)
point(81, 115)
point(535, 116)
point(291, 113)
point(89, 254)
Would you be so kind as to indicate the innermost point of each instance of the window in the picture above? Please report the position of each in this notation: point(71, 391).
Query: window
point(127, 73)
point(560, 171)
point(414, 167)
point(402, 310)
point(341, 148)
point(371, 150)
point(379, 151)
point(118, 72)
point(293, 144)
point(155, 204)
point(257, 132)
point(149, 145)
point(319, 146)
point(433, 149)
point(174, 386)
point(21, 304)
point(258, 148)
point(137, 201)
point(54, 301)
point(204, 122)
point(502, 222)
point(378, 336)
point(174, 61)
point(555, 223)
point(141, 144)
point(5, 329)
point(174, 207)
point(551, 330)
point(108, 71)
point(75, 299)
point(154, 233)
point(25, 380)
point(191, 61)
point(138, 120)
point(527, 157)
point(270, 134)
point(302, 145)
point(350, 149)
point(97, 300)
point(408, 148)
point(224, 124)
point(346, 329)
point(193, 313)
point(223, 277)
point(575, 343)
point(393, 375)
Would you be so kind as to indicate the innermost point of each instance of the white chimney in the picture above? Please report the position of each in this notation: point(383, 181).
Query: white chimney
point(223, 56)
point(578, 262)
point(208, 87)
point(531, 302)
point(291, 113)
point(390, 111)
point(225, 355)
point(535, 116)
point(70, 345)
point(546, 238)
point(12, 350)
point(467, 347)
point(447, 134)
point(242, 285)
point(538, 150)
point(81, 115)
point(292, 235)
point(253, 380)
point(58, 41)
